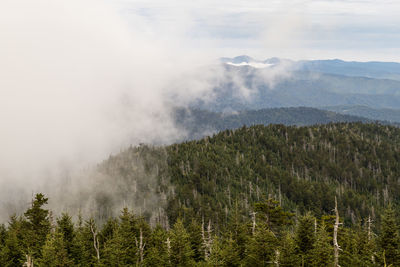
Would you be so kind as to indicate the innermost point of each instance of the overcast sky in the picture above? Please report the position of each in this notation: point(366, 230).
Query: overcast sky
point(299, 29)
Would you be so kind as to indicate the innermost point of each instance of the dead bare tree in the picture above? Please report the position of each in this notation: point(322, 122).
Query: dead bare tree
point(315, 226)
point(253, 218)
point(207, 241)
point(277, 256)
point(29, 261)
point(336, 246)
point(369, 227)
point(95, 241)
point(140, 246)
point(168, 242)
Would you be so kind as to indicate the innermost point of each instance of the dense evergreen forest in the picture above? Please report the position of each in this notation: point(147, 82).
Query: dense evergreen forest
point(255, 196)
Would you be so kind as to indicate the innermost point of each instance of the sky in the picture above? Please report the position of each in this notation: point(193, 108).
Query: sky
point(362, 30)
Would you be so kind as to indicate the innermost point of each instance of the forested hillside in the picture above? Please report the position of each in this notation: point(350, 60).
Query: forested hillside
point(199, 123)
point(303, 167)
point(255, 196)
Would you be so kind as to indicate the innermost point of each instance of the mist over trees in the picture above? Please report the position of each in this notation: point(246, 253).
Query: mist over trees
point(255, 196)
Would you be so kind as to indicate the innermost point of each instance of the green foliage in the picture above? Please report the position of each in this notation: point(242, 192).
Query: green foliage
point(36, 227)
point(65, 227)
point(272, 214)
point(288, 251)
point(262, 248)
point(305, 237)
point(225, 252)
point(181, 251)
point(157, 249)
point(12, 252)
point(54, 252)
point(196, 241)
point(287, 176)
point(388, 241)
point(321, 254)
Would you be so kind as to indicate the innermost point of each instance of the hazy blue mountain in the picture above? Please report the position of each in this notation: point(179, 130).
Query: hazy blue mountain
point(392, 115)
point(386, 70)
point(373, 69)
point(291, 88)
point(198, 123)
point(238, 59)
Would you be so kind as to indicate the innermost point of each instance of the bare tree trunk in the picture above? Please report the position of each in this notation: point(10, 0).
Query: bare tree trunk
point(315, 226)
point(369, 227)
point(140, 245)
point(277, 255)
point(253, 218)
point(207, 241)
point(336, 246)
point(95, 241)
point(29, 261)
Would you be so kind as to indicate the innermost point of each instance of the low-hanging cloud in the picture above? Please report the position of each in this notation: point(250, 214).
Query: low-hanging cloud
point(78, 82)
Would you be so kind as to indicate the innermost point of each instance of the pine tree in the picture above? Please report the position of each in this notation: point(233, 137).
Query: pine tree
point(181, 251)
point(66, 228)
point(54, 252)
point(36, 227)
point(305, 237)
point(196, 240)
point(321, 254)
point(157, 249)
point(228, 252)
point(388, 241)
point(84, 250)
point(272, 214)
point(217, 257)
point(12, 253)
point(289, 254)
point(262, 248)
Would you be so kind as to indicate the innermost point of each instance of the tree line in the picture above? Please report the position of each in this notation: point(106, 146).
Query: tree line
point(269, 236)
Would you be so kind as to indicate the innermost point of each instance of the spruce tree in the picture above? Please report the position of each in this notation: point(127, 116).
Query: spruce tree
point(305, 237)
point(66, 228)
point(157, 253)
point(12, 253)
point(388, 241)
point(321, 254)
point(181, 250)
point(54, 252)
point(196, 241)
point(288, 251)
point(36, 227)
point(262, 248)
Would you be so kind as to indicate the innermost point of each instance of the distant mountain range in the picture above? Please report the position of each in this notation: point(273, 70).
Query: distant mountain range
point(198, 123)
point(372, 69)
point(275, 83)
point(390, 115)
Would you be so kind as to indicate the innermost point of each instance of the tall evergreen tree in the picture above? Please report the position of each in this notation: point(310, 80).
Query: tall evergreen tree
point(12, 253)
point(181, 250)
point(54, 252)
point(322, 252)
point(196, 240)
point(262, 248)
point(66, 228)
point(36, 227)
point(305, 237)
point(388, 241)
point(157, 253)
